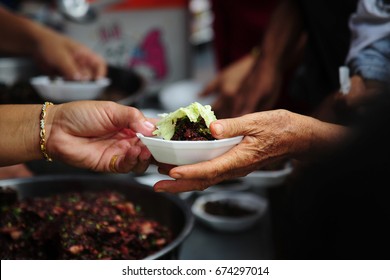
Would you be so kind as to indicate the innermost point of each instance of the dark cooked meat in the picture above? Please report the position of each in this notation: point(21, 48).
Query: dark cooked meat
point(227, 208)
point(186, 130)
point(90, 225)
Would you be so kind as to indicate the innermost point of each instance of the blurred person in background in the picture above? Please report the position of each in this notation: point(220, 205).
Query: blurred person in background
point(54, 54)
point(239, 28)
point(295, 65)
point(335, 206)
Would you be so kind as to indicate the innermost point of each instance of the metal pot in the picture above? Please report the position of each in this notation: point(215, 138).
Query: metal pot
point(167, 209)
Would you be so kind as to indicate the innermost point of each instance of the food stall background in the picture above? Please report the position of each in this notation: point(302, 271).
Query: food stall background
point(164, 41)
point(152, 37)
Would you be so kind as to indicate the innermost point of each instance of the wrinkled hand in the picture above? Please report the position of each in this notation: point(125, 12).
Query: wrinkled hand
point(62, 56)
point(226, 85)
point(269, 136)
point(244, 87)
point(88, 134)
point(361, 92)
point(259, 91)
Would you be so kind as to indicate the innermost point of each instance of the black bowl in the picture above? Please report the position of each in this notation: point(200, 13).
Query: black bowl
point(166, 209)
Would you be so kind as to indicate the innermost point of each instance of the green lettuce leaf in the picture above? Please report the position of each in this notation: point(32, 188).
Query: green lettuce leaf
point(166, 126)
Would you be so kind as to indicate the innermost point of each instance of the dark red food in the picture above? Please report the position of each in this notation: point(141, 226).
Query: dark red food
point(186, 130)
point(227, 208)
point(90, 225)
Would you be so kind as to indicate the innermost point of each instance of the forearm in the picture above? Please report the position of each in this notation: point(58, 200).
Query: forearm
point(314, 138)
point(21, 35)
point(283, 35)
point(19, 125)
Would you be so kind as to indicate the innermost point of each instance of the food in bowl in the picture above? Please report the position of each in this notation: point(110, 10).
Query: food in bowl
point(230, 211)
point(77, 225)
point(184, 137)
point(189, 123)
point(227, 208)
point(61, 90)
point(187, 152)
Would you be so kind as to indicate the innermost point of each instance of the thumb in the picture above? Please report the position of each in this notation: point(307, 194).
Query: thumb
point(226, 128)
point(132, 118)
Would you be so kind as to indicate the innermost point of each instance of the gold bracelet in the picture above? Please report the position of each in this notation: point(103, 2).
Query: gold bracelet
point(42, 133)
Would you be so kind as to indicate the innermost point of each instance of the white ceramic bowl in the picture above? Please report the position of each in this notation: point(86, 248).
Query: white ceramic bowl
point(244, 200)
point(59, 90)
point(269, 178)
point(187, 152)
point(181, 93)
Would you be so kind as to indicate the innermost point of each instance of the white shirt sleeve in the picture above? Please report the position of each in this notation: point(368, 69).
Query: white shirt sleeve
point(369, 23)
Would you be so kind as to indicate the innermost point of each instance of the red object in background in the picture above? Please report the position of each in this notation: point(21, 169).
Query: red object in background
point(147, 4)
point(151, 53)
point(238, 27)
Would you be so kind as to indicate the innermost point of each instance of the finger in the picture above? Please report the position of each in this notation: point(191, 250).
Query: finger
point(177, 186)
point(91, 65)
point(145, 154)
point(164, 168)
point(100, 67)
point(69, 69)
point(230, 165)
point(129, 161)
point(141, 167)
point(226, 128)
point(245, 102)
point(132, 118)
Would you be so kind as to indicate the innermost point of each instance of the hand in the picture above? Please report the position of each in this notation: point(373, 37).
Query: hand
point(62, 56)
point(339, 107)
point(259, 91)
point(269, 136)
point(264, 132)
point(361, 92)
point(98, 135)
point(227, 84)
point(244, 87)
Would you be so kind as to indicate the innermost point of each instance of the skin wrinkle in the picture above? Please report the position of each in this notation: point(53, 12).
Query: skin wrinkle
point(290, 130)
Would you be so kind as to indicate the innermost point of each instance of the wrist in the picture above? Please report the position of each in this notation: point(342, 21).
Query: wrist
point(43, 125)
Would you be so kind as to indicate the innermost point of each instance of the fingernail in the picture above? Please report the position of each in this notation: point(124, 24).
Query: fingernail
point(149, 124)
point(218, 129)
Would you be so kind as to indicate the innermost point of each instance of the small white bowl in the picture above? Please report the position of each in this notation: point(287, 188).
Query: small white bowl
point(187, 152)
point(181, 93)
point(243, 200)
point(59, 90)
point(269, 178)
